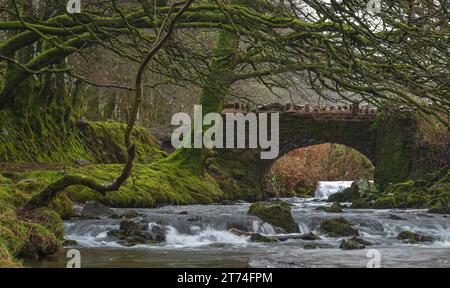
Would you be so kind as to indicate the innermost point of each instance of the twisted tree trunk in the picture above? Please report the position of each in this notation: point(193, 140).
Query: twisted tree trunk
point(50, 192)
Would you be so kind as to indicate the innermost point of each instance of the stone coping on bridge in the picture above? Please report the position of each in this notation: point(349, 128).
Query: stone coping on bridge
point(341, 112)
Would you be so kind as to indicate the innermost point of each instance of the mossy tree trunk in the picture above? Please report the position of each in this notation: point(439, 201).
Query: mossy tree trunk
point(213, 94)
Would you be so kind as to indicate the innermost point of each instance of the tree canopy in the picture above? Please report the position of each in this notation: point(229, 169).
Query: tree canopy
point(397, 57)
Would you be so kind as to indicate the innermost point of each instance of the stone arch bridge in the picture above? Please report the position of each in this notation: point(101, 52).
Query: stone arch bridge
point(387, 141)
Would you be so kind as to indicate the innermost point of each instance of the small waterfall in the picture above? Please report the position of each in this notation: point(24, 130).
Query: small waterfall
point(91, 233)
point(327, 188)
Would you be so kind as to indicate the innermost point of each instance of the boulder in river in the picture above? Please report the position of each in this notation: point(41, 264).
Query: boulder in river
point(133, 233)
point(335, 208)
point(94, 209)
point(337, 227)
point(414, 238)
point(277, 213)
point(351, 244)
point(359, 189)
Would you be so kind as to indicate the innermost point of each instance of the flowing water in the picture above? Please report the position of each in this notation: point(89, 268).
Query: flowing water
point(197, 236)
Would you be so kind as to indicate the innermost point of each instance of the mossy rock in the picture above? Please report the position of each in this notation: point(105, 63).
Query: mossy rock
point(385, 203)
point(335, 208)
point(133, 233)
point(337, 227)
point(69, 243)
point(359, 189)
point(361, 204)
point(337, 197)
point(277, 213)
point(414, 238)
point(351, 244)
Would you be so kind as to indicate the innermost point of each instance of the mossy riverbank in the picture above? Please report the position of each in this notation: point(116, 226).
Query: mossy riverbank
point(156, 180)
point(431, 192)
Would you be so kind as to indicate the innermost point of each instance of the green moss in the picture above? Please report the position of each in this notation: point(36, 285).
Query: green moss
point(361, 204)
point(50, 140)
point(335, 208)
point(105, 140)
point(431, 191)
point(396, 138)
point(5, 181)
point(337, 197)
point(385, 203)
point(63, 205)
point(238, 174)
point(416, 201)
point(7, 260)
point(276, 213)
point(413, 238)
point(337, 227)
point(40, 242)
point(351, 244)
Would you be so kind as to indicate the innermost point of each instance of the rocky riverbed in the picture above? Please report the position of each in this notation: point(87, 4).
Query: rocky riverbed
point(205, 236)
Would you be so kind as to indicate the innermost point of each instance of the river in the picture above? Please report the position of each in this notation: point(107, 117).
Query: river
point(197, 236)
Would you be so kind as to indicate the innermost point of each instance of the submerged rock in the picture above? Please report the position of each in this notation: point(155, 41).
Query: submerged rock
point(337, 227)
point(313, 246)
point(276, 213)
point(395, 217)
point(414, 238)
